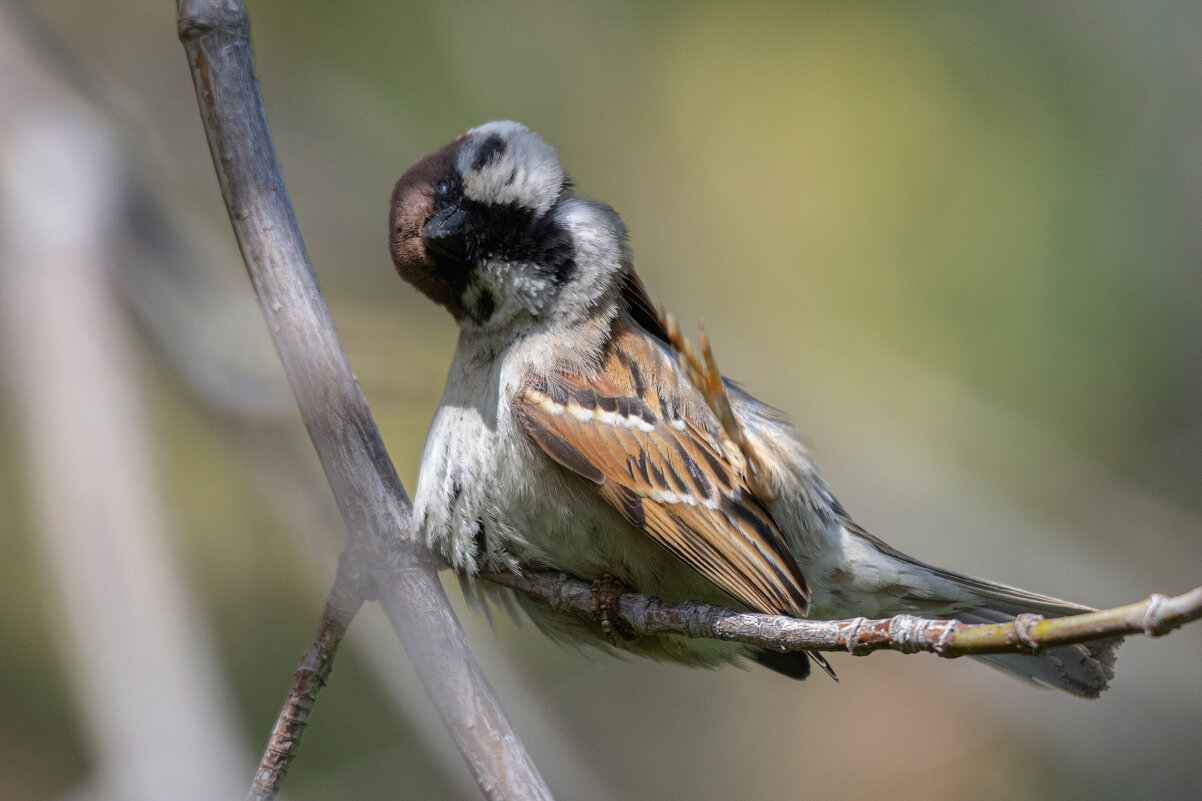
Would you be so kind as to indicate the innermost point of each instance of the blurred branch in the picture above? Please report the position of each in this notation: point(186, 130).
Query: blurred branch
point(641, 614)
point(135, 647)
point(381, 560)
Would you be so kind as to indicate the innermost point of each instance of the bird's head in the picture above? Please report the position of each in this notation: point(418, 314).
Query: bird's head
point(488, 227)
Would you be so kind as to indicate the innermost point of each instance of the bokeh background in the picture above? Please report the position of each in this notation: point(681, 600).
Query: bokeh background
point(959, 244)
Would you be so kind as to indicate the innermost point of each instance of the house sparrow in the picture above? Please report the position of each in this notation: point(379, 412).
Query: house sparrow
point(576, 433)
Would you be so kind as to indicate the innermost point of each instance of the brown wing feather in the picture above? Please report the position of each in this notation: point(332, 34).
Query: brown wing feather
point(663, 473)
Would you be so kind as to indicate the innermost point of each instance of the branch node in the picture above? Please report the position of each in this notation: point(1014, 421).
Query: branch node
point(908, 632)
point(1022, 627)
point(1153, 625)
point(199, 19)
point(946, 638)
point(853, 636)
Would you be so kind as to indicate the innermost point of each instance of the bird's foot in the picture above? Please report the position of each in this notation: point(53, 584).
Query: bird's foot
point(605, 593)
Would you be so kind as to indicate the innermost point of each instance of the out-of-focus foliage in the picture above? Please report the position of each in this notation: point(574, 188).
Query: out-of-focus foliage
point(959, 244)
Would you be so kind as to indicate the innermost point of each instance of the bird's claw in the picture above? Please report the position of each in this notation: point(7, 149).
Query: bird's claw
point(605, 593)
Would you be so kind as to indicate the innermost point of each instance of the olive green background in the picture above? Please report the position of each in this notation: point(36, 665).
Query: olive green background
point(959, 243)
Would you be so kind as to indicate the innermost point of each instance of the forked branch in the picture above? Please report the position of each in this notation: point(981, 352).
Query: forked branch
point(381, 561)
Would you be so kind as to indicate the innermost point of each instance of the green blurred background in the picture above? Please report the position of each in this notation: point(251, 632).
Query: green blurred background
point(959, 244)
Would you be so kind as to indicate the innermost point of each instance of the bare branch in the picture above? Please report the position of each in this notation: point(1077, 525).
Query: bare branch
point(381, 560)
point(312, 674)
point(642, 614)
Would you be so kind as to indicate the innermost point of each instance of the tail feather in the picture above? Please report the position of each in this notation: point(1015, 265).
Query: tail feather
point(1084, 670)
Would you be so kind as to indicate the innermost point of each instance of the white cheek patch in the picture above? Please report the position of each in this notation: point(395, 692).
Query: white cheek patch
point(505, 162)
point(598, 241)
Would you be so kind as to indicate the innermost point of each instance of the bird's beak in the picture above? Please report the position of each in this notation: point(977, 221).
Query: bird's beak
point(441, 234)
point(445, 223)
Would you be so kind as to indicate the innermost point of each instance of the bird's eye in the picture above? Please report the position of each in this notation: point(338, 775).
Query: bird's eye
point(442, 188)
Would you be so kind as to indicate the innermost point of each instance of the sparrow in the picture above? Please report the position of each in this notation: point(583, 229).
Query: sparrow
point(578, 432)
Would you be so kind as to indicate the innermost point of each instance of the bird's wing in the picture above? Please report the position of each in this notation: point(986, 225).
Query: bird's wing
point(622, 429)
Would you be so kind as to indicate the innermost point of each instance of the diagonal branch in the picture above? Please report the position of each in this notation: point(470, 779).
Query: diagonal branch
point(642, 614)
point(381, 561)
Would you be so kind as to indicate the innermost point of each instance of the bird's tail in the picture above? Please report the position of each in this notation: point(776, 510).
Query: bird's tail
point(1084, 669)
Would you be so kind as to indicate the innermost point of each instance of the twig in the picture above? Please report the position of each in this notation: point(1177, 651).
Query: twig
point(312, 674)
point(381, 560)
point(642, 614)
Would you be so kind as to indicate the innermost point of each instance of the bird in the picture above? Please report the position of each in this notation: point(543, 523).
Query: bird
point(578, 432)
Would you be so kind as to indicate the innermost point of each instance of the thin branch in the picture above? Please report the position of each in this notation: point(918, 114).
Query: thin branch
point(381, 561)
point(642, 614)
point(312, 674)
